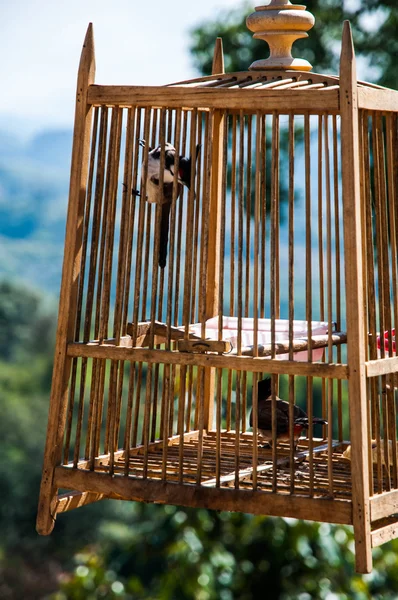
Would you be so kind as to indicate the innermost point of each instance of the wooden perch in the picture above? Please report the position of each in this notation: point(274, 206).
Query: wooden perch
point(160, 331)
point(299, 345)
point(202, 345)
point(197, 344)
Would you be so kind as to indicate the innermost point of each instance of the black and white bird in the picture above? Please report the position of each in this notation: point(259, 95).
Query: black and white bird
point(264, 422)
point(164, 196)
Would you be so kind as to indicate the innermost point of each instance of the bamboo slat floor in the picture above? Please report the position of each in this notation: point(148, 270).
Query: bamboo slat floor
point(227, 471)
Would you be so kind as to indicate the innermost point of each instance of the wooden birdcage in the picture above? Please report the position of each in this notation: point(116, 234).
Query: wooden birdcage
point(285, 240)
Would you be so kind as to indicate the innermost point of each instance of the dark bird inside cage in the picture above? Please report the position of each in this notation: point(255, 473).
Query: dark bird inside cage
point(264, 422)
point(164, 196)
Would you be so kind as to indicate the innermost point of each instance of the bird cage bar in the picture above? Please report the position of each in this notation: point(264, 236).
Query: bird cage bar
point(158, 365)
point(240, 277)
point(140, 288)
point(380, 275)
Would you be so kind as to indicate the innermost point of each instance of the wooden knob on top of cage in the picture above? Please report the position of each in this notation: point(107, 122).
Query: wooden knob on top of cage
point(280, 23)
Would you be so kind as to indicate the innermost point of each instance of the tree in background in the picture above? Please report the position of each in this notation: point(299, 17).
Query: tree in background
point(374, 23)
point(374, 26)
point(170, 553)
point(167, 553)
point(29, 563)
point(26, 328)
point(130, 550)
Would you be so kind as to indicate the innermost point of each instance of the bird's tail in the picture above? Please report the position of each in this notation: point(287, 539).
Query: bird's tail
point(305, 422)
point(197, 151)
point(164, 234)
point(186, 167)
point(192, 161)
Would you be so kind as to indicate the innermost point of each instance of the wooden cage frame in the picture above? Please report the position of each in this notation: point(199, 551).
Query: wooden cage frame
point(371, 506)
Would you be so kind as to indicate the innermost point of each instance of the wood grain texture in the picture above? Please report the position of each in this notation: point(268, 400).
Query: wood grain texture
point(381, 366)
point(218, 58)
point(381, 99)
point(204, 345)
point(384, 505)
point(242, 363)
point(384, 534)
point(242, 99)
point(69, 284)
point(260, 503)
point(355, 301)
point(71, 500)
point(213, 248)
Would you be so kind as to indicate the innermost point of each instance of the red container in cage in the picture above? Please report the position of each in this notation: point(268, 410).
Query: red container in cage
point(386, 336)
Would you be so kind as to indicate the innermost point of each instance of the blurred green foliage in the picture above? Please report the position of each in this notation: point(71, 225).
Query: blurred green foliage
point(145, 552)
point(374, 24)
point(167, 553)
point(27, 325)
point(26, 329)
point(128, 550)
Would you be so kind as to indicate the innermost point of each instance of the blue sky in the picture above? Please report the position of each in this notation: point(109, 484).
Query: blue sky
point(137, 42)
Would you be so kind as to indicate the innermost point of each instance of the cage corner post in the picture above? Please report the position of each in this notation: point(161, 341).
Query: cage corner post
point(69, 288)
point(214, 255)
point(354, 301)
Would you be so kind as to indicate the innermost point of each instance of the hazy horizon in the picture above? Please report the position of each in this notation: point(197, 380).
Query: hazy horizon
point(42, 42)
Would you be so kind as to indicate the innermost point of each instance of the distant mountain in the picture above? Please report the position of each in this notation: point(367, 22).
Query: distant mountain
point(34, 179)
point(52, 148)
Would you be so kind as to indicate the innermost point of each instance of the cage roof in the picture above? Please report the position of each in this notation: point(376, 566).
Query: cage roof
point(279, 23)
point(268, 79)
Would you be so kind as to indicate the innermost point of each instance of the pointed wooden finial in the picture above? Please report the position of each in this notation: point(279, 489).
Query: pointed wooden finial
point(280, 24)
point(87, 57)
point(218, 58)
point(347, 57)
